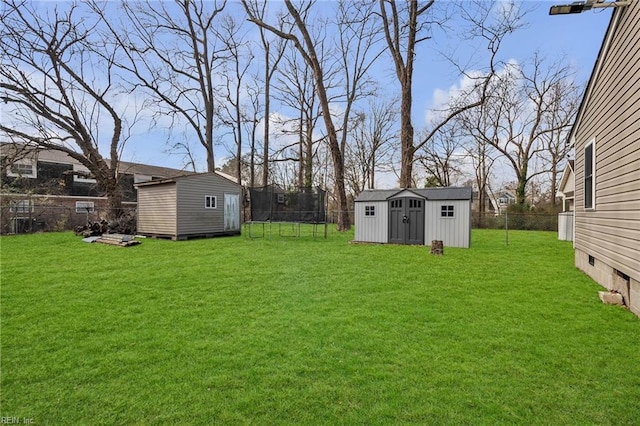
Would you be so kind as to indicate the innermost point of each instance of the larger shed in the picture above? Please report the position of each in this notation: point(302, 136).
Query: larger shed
point(414, 216)
point(198, 205)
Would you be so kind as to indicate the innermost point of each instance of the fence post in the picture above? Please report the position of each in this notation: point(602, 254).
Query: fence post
point(506, 227)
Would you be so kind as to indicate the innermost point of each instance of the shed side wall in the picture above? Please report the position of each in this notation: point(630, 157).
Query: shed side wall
point(453, 232)
point(157, 209)
point(372, 229)
point(193, 217)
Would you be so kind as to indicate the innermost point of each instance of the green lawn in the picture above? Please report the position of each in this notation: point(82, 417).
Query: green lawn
point(311, 331)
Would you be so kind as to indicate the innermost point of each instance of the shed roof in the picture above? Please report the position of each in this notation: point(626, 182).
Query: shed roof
point(448, 193)
point(376, 194)
point(184, 177)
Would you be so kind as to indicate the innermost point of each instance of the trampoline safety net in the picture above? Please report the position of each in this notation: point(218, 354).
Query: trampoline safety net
point(274, 204)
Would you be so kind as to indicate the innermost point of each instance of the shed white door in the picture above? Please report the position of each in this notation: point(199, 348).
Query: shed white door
point(231, 212)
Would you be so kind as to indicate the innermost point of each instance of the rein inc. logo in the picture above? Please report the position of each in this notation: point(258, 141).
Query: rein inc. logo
point(12, 420)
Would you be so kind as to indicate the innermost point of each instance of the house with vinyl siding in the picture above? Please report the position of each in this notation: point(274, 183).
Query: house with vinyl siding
point(197, 205)
point(566, 192)
point(414, 216)
point(45, 190)
point(606, 139)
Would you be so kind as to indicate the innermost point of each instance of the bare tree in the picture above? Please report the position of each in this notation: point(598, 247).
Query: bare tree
point(273, 52)
point(238, 62)
point(528, 107)
point(441, 156)
point(373, 136)
point(304, 43)
point(296, 90)
point(358, 31)
point(170, 52)
point(60, 91)
point(404, 26)
point(401, 26)
point(476, 129)
point(566, 97)
point(253, 117)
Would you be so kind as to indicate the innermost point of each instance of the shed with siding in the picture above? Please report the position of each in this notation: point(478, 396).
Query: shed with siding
point(198, 205)
point(414, 216)
point(606, 139)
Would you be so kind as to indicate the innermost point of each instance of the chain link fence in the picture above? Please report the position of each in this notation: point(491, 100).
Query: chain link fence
point(332, 216)
point(17, 218)
point(516, 221)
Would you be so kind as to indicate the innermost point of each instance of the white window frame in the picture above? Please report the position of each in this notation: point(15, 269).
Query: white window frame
point(370, 211)
point(22, 206)
point(78, 178)
point(592, 206)
point(82, 206)
point(210, 202)
point(445, 209)
point(32, 175)
point(137, 178)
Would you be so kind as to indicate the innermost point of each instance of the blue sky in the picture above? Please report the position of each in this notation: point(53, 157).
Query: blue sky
point(576, 38)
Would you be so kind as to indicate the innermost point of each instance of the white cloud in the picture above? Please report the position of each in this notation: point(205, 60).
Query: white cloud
point(441, 98)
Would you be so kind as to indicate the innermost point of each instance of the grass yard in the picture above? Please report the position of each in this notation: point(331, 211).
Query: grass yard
point(304, 331)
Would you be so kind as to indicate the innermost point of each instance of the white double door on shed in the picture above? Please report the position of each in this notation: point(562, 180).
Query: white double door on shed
point(231, 212)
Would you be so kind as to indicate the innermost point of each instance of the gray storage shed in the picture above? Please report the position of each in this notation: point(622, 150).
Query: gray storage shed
point(414, 216)
point(198, 205)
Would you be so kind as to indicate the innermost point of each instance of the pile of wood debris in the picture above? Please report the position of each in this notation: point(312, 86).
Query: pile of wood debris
point(113, 239)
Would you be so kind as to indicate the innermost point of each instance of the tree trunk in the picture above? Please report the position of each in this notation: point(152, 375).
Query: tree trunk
point(114, 196)
point(308, 158)
point(211, 165)
point(406, 138)
point(252, 171)
point(267, 106)
point(554, 183)
point(521, 190)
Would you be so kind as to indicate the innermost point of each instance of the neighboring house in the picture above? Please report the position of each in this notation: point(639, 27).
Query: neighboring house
point(414, 216)
point(47, 189)
point(198, 205)
point(490, 205)
point(567, 187)
point(606, 138)
point(503, 200)
point(566, 191)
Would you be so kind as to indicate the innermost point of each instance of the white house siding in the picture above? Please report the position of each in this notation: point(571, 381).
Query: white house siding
point(372, 229)
point(193, 217)
point(157, 209)
point(610, 233)
point(453, 232)
point(567, 189)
